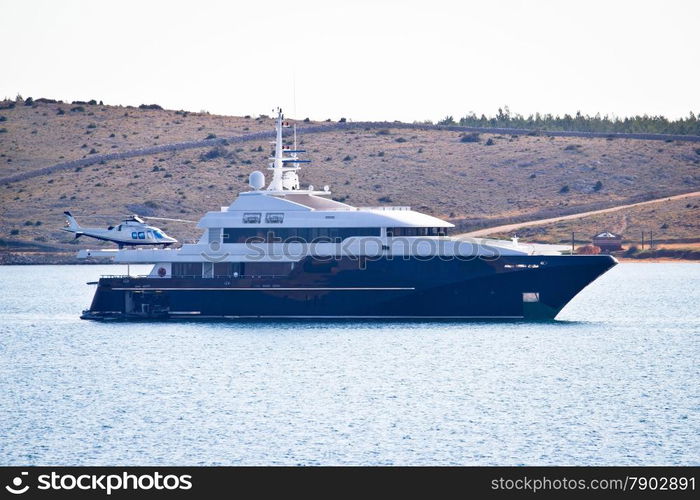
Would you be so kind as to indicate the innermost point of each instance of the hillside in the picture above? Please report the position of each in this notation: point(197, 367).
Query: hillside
point(487, 179)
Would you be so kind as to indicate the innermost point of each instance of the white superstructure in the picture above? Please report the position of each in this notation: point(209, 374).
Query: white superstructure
point(282, 222)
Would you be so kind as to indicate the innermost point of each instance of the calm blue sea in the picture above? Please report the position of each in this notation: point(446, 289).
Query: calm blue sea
point(615, 380)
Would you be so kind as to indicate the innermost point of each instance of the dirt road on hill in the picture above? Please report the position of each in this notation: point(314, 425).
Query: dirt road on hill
point(514, 227)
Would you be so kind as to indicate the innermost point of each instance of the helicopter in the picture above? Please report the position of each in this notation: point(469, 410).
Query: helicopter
point(132, 231)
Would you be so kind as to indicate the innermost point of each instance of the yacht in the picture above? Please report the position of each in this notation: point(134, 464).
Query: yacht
point(281, 251)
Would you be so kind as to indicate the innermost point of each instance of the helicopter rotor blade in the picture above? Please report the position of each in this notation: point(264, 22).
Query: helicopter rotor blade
point(84, 216)
point(129, 216)
point(165, 218)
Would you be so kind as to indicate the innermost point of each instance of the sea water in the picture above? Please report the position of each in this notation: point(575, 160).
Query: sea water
point(614, 380)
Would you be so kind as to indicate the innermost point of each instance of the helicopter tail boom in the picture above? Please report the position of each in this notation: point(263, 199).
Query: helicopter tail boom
point(72, 223)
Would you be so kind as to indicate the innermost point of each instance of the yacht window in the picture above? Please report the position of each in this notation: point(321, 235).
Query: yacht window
point(268, 268)
point(134, 235)
point(186, 269)
point(214, 235)
point(158, 235)
point(320, 266)
point(150, 235)
point(274, 218)
point(142, 235)
point(416, 231)
point(251, 218)
point(228, 269)
point(296, 234)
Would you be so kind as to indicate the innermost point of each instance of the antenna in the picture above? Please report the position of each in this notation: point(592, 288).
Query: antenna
point(294, 103)
point(294, 94)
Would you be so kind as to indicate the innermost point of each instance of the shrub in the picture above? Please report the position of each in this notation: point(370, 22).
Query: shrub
point(697, 151)
point(598, 186)
point(400, 139)
point(572, 147)
point(92, 125)
point(633, 249)
point(307, 120)
point(217, 152)
point(490, 142)
point(92, 102)
point(564, 189)
point(14, 232)
point(342, 120)
point(385, 199)
point(210, 136)
point(60, 111)
point(3, 130)
point(588, 250)
point(383, 131)
point(92, 151)
point(347, 158)
point(149, 106)
point(28, 223)
point(29, 101)
point(3, 118)
point(77, 109)
point(471, 137)
point(533, 176)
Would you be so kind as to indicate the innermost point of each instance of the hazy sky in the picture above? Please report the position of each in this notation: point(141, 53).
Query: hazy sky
point(364, 60)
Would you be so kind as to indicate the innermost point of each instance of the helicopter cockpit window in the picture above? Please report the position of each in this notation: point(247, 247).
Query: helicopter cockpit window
point(134, 235)
point(142, 235)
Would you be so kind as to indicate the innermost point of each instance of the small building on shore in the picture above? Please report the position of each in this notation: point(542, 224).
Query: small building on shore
point(607, 241)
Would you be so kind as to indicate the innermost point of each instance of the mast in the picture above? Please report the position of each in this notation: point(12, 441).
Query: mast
point(284, 168)
point(276, 164)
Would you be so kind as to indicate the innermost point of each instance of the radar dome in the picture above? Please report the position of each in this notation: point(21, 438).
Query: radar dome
point(257, 180)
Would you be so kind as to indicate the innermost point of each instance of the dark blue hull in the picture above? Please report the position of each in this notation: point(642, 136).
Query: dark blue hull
point(531, 287)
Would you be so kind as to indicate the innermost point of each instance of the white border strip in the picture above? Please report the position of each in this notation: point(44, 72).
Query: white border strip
point(263, 289)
